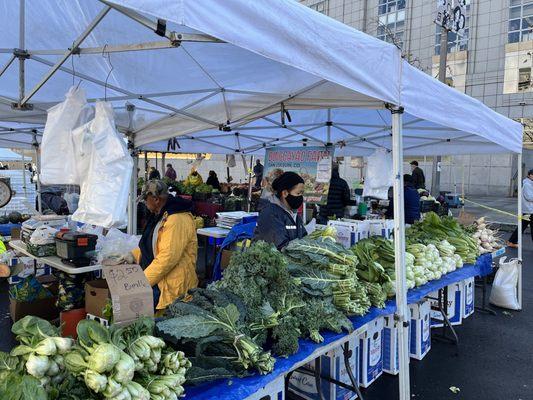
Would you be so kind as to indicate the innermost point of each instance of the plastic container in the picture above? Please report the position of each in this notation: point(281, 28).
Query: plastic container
point(73, 245)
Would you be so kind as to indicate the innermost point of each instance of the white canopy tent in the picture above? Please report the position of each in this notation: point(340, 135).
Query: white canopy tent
point(200, 69)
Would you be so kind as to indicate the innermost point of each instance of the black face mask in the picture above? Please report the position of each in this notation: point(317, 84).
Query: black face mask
point(294, 201)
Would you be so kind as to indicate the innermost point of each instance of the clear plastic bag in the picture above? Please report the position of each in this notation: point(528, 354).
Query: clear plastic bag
point(116, 247)
point(105, 190)
point(57, 139)
point(378, 177)
point(504, 287)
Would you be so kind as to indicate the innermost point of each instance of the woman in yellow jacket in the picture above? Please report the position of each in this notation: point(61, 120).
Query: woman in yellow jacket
point(168, 247)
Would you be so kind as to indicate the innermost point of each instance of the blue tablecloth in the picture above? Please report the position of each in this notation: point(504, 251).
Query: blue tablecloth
point(240, 388)
point(5, 229)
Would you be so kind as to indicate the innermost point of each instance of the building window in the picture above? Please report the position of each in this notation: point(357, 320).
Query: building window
point(520, 21)
point(320, 6)
point(455, 42)
point(524, 78)
point(391, 21)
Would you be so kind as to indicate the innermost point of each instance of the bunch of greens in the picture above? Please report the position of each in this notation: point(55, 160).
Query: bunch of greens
point(103, 367)
point(41, 350)
point(260, 278)
point(340, 267)
point(210, 328)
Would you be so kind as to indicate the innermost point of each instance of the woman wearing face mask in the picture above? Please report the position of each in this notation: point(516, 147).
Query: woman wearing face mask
point(279, 222)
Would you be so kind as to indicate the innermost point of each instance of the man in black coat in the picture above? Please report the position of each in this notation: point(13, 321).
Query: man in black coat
point(338, 197)
point(419, 180)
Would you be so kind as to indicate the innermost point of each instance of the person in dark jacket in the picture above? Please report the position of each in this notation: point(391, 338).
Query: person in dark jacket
point(279, 222)
point(411, 200)
point(154, 174)
point(419, 180)
point(171, 172)
point(258, 173)
point(212, 180)
point(338, 197)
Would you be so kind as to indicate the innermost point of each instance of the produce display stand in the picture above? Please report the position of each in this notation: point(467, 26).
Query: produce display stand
point(241, 388)
point(236, 81)
point(53, 261)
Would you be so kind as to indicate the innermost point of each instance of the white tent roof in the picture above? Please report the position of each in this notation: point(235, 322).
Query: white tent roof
point(224, 64)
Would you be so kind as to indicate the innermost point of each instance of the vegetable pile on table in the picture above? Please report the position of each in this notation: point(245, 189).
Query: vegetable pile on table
point(486, 237)
point(120, 363)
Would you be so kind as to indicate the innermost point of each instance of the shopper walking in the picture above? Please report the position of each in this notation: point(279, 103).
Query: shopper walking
point(170, 172)
point(411, 202)
point(168, 247)
point(527, 209)
point(419, 180)
point(338, 197)
point(258, 173)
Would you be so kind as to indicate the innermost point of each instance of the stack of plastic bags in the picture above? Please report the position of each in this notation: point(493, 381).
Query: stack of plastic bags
point(90, 153)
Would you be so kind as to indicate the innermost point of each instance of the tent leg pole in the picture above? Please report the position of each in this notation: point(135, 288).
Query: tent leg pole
point(132, 209)
point(24, 186)
point(520, 240)
point(249, 205)
point(22, 45)
point(402, 315)
point(38, 177)
point(146, 166)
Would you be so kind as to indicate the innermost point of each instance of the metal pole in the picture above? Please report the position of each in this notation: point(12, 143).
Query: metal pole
point(132, 208)
point(163, 166)
point(146, 166)
point(402, 312)
point(24, 176)
point(435, 175)
point(22, 45)
point(248, 207)
point(38, 176)
point(329, 126)
point(519, 289)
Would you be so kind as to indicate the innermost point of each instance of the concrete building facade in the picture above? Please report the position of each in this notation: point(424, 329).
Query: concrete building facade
point(492, 61)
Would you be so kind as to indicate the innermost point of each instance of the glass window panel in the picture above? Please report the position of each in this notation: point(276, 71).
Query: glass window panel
point(382, 9)
point(528, 10)
point(400, 25)
point(383, 20)
point(401, 4)
point(527, 35)
point(514, 37)
point(391, 18)
point(514, 12)
point(516, 2)
point(382, 1)
point(437, 50)
point(381, 30)
point(401, 15)
point(514, 25)
point(391, 7)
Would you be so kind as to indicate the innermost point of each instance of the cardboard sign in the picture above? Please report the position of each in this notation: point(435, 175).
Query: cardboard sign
point(131, 293)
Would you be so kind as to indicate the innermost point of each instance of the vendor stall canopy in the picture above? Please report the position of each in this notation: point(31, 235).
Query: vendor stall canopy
point(231, 76)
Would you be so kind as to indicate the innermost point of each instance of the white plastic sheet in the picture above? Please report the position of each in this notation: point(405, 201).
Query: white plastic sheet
point(504, 292)
point(58, 162)
point(104, 192)
point(378, 178)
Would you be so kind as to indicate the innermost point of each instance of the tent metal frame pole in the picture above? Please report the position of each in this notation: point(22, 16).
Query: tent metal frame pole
point(35, 145)
point(24, 186)
point(402, 312)
point(66, 55)
point(22, 44)
point(127, 92)
point(249, 205)
point(519, 227)
point(7, 65)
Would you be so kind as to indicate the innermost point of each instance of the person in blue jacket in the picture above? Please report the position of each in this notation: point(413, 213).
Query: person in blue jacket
point(279, 222)
point(411, 200)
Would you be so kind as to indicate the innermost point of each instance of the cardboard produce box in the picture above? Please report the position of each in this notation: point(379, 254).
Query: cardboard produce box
point(96, 297)
point(225, 258)
point(45, 308)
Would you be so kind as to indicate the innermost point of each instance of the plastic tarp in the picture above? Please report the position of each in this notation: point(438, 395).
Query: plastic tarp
point(274, 52)
point(241, 388)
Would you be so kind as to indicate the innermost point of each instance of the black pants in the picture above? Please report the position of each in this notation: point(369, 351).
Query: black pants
point(514, 237)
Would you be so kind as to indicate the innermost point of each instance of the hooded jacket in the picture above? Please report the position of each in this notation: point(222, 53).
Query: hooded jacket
point(527, 196)
point(338, 197)
point(168, 249)
point(278, 225)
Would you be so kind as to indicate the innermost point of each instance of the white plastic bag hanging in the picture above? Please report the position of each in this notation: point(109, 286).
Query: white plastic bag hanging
point(104, 193)
point(378, 178)
point(504, 287)
point(58, 162)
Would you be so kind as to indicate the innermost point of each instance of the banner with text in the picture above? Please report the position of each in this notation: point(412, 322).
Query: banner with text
point(313, 164)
